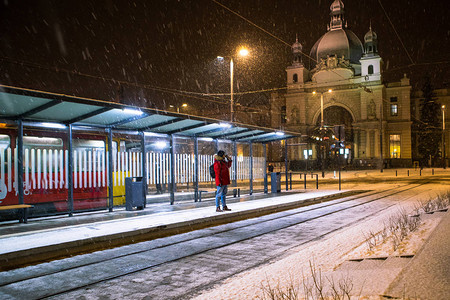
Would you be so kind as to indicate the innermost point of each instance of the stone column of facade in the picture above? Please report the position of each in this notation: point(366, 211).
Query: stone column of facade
point(377, 142)
point(368, 153)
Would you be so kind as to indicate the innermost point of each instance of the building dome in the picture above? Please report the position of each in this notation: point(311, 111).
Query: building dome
point(370, 36)
point(338, 42)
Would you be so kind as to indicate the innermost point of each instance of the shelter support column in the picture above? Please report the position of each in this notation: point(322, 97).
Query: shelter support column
point(251, 168)
point(20, 160)
point(172, 169)
point(234, 164)
point(110, 172)
point(144, 168)
point(195, 169)
point(70, 170)
point(266, 190)
point(286, 163)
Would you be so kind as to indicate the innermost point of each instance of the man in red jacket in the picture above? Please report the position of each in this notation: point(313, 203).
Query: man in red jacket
point(222, 163)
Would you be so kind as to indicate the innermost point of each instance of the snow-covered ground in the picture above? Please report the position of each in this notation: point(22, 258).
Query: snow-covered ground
point(327, 254)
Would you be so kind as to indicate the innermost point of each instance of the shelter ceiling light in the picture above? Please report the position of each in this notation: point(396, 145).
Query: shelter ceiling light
point(132, 111)
point(52, 125)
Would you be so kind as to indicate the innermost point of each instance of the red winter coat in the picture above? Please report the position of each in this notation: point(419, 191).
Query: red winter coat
point(221, 169)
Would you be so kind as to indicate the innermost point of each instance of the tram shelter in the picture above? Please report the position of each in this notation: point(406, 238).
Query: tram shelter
point(76, 152)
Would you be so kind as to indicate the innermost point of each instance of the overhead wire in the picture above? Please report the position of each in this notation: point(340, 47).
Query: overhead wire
point(396, 33)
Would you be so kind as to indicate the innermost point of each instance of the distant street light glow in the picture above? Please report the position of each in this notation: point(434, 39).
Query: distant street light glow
point(243, 52)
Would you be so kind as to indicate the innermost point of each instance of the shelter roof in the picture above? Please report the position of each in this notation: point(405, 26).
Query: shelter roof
point(62, 110)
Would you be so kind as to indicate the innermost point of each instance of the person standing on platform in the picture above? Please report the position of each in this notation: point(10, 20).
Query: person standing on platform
point(222, 163)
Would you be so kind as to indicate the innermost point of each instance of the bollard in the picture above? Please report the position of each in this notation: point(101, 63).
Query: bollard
point(395, 173)
point(408, 172)
point(290, 181)
point(432, 171)
point(305, 181)
point(317, 181)
point(339, 179)
point(420, 172)
point(300, 176)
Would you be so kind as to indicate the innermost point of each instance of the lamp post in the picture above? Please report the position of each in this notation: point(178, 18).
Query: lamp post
point(322, 131)
point(443, 136)
point(321, 106)
point(242, 52)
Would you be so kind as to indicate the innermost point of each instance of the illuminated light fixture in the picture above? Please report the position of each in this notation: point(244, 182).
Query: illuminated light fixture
point(330, 90)
point(160, 144)
point(279, 133)
point(132, 111)
point(314, 92)
point(220, 58)
point(184, 105)
point(207, 139)
point(243, 52)
point(53, 125)
point(225, 125)
point(146, 133)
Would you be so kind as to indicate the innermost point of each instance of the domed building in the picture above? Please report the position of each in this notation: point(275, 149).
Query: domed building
point(343, 92)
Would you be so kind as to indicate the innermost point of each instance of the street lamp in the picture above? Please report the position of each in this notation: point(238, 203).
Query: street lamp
point(322, 131)
point(242, 52)
point(443, 136)
point(321, 106)
point(178, 107)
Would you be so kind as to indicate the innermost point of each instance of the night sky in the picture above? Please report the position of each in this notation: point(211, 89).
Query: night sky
point(149, 53)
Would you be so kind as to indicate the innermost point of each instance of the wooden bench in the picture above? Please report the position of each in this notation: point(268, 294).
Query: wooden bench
point(23, 217)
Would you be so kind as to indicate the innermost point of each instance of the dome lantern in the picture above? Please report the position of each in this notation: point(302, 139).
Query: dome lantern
point(297, 51)
point(370, 42)
point(337, 15)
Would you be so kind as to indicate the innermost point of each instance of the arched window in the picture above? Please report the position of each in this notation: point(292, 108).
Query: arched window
point(370, 71)
point(295, 78)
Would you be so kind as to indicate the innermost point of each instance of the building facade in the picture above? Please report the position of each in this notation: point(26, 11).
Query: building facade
point(369, 120)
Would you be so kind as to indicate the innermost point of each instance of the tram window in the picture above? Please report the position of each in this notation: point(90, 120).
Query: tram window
point(5, 141)
point(30, 142)
point(83, 144)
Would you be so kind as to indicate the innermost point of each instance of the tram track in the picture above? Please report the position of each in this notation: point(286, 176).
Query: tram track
point(370, 196)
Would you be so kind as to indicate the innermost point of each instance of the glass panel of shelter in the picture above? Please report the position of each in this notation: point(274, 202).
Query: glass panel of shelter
point(158, 165)
point(46, 166)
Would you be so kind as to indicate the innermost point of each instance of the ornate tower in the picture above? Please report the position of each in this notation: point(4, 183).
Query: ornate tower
point(337, 15)
point(371, 61)
point(297, 73)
